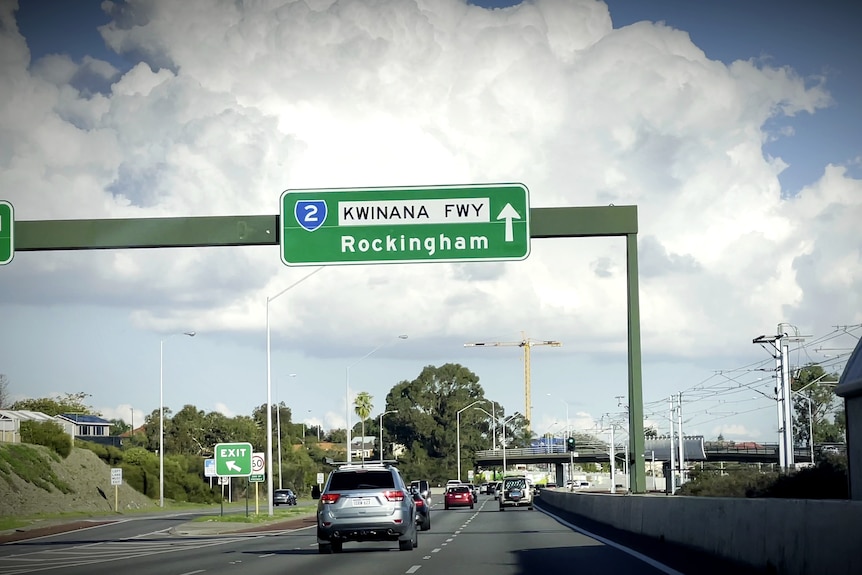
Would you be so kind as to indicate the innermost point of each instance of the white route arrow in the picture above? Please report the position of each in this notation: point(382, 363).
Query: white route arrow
point(508, 213)
point(232, 466)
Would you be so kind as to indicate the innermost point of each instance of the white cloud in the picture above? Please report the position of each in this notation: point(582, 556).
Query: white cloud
point(232, 103)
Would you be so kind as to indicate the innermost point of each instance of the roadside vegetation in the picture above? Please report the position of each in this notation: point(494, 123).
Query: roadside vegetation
point(828, 479)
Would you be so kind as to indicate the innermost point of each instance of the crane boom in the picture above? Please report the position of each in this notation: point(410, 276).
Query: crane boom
point(526, 343)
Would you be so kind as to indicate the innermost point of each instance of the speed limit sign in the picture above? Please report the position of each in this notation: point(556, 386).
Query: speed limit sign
point(257, 463)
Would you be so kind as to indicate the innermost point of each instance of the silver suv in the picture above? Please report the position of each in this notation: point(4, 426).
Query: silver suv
point(365, 502)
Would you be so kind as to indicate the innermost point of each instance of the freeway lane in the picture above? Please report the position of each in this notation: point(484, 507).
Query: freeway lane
point(517, 541)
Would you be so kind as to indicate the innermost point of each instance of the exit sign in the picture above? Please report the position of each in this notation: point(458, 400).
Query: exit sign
point(7, 236)
point(479, 222)
point(233, 459)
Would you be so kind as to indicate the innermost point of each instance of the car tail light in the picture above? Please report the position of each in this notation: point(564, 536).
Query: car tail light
point(329, 497)
point(420, 503)
point(394, 495)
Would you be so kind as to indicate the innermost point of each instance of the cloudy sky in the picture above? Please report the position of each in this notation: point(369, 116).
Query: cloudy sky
point(733, 127)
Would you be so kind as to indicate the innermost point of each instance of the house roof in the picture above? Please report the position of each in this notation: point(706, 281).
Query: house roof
point(85, 418)
point(24, 415)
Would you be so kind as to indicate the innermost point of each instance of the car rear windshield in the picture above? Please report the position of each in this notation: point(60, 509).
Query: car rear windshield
point(355, 480)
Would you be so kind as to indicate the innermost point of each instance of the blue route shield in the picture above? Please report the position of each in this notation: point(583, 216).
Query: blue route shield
point(310, 214)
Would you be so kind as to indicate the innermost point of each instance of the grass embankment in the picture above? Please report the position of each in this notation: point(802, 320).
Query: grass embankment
point(278, 515)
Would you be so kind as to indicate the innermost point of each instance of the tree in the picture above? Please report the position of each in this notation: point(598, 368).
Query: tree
point(119, 427)
point(363, 407)
point(426, 420)
point(67, 403)
point(4, 391)
point(808, 386)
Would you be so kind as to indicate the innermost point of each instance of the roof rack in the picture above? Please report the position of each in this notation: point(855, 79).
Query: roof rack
point(376, 463)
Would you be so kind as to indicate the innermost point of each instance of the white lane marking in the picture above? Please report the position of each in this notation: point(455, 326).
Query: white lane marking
point(193, 572)
point(648, 560)
point(435, 550)
point(426, 557)
point(450, 540)
point(413, 569)
point(265, 555)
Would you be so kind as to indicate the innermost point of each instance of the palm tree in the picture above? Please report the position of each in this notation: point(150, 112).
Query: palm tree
point(363, 407)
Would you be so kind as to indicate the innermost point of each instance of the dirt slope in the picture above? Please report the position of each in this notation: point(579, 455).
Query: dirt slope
point(87, 475)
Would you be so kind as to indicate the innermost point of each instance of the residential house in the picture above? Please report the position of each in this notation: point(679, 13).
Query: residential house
point(89, 428)
point(10, 423)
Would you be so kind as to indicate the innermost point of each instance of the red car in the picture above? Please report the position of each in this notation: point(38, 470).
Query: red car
point(458, 496)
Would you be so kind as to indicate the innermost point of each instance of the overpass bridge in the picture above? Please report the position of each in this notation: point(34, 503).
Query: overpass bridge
point(695, 449)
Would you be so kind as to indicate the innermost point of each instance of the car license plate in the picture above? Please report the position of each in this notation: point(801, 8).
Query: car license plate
point(363, 501)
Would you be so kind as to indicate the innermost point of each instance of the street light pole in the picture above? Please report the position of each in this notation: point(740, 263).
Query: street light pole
point(381, 430)
point(269, 388)
point(458, 432)
point(505, 421)
point(347, 417)
point(278, 431)
point(162, 416)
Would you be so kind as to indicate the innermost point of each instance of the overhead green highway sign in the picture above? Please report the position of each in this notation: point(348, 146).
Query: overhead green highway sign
point(479, 222)
point(233, 459)
point(7, 236)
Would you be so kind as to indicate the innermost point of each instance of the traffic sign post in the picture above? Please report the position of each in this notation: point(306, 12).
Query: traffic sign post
point(116, 481)
point(485, 222)
point(233, 459)
point(258, 464)
point(7, 232)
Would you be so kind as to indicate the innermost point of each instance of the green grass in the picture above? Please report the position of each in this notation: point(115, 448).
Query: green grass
point(32, 465)
point(263, 517)
point(7, 523)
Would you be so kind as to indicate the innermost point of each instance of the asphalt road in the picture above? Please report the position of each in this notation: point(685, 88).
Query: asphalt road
point(516, 542)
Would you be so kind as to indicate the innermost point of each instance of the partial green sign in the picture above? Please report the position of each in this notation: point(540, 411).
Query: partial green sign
point(7, 232)
point(485, 222)
point(233, 459)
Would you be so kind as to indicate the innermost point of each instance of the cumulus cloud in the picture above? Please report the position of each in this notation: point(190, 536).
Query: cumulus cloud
point(230, 104)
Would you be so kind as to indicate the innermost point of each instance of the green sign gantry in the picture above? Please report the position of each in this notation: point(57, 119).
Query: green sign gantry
point(233, 459)
point(7, 235)
point(485, 222)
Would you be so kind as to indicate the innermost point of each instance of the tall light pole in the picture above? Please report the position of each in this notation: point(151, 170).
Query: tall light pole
point(505, 421)
point(381, 430)
point(458, 432)
point(278, 430)
point(493, 425)
point(567, 414)
point(269, 387)
point(347, 417)
point(162, 415)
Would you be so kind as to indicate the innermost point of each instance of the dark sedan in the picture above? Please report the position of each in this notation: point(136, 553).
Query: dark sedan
point(423, 512)
point(283, 496)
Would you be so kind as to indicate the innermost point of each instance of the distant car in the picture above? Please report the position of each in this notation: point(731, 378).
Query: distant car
point(483, 488)
point(474, 491)
point(495, 489)
point(423, 488)
point(458, 496)
point(423, 512)
point(283, 497)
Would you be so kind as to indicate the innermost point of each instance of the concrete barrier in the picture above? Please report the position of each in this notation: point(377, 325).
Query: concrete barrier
point(790, 536)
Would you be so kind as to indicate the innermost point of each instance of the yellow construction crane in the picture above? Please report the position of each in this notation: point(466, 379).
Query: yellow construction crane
point(526, 343)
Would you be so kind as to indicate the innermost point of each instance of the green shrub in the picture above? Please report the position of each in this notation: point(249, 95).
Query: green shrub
point(827, 480)
point(107, 453)
point(47, 433)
